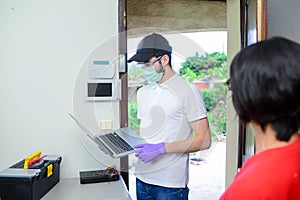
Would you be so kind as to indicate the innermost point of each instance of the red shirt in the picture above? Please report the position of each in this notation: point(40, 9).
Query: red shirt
point(271, 174)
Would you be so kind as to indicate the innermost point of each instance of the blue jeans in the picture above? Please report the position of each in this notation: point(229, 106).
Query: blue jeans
point(145, 191)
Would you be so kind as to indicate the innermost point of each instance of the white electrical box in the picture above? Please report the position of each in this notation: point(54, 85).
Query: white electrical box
point(101, 69)
point(103, 90)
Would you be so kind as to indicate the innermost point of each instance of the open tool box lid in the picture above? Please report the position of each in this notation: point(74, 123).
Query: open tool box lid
point(29, 184)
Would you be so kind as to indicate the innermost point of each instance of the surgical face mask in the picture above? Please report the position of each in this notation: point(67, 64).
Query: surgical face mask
point(151, 75)
point(149, 72)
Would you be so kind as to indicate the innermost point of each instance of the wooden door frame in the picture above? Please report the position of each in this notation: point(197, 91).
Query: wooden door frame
point(253, 17)
point(122, 40)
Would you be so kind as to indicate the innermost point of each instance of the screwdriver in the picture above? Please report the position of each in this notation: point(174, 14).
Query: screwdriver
point(35, 160)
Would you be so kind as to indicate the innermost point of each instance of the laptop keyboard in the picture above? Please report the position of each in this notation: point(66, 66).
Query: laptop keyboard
point(116, 143)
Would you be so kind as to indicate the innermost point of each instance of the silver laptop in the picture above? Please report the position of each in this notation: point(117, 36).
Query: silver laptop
point(117, 143)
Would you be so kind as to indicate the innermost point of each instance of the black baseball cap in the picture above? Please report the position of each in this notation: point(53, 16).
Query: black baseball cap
point(149, 46)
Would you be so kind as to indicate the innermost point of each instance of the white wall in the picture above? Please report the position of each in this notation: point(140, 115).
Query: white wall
point(44, 47)
point(283, 19)
point(233, 43)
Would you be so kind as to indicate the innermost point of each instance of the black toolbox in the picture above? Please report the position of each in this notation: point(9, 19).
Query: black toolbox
point(17, 183)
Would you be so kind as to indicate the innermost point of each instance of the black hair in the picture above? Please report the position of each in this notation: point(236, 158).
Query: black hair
point(165, 53)
point(265, 84)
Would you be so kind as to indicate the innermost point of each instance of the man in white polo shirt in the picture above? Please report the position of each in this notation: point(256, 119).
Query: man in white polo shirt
point(173, 121)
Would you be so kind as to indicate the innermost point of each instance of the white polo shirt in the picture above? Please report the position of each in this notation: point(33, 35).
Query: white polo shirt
point(165, 111)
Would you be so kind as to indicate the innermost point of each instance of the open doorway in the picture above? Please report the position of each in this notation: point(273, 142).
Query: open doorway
point(199, 22)
point(207, 50)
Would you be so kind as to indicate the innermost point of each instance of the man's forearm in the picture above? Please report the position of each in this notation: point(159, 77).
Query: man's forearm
point(193, 144)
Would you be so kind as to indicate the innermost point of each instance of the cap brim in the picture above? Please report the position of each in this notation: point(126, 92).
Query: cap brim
point(141, 57)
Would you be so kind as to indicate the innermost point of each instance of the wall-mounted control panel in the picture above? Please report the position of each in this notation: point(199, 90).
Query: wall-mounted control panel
point(101, 69)
point(103, 90)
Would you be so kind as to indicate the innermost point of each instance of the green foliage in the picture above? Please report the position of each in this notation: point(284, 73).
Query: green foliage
point(218, 118)
point(204, 67)
point(208, 99)
point(135, 73)
point(189, 74)
point(133, 122)
point(213, 69)
point(215, 102)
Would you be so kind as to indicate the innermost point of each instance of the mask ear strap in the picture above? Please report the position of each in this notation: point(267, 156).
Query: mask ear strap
point(163, 68)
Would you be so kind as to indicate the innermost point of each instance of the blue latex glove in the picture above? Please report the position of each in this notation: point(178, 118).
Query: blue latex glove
point(148, 152)
point(103, 150)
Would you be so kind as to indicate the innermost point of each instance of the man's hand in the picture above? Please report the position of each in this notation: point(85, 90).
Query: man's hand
point(148, 152)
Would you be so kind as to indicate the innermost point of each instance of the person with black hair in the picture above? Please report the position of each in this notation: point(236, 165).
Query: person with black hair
point(265, 84)
point(173, 120)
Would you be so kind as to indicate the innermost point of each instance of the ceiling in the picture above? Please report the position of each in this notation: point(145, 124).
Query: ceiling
point(175, 15)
